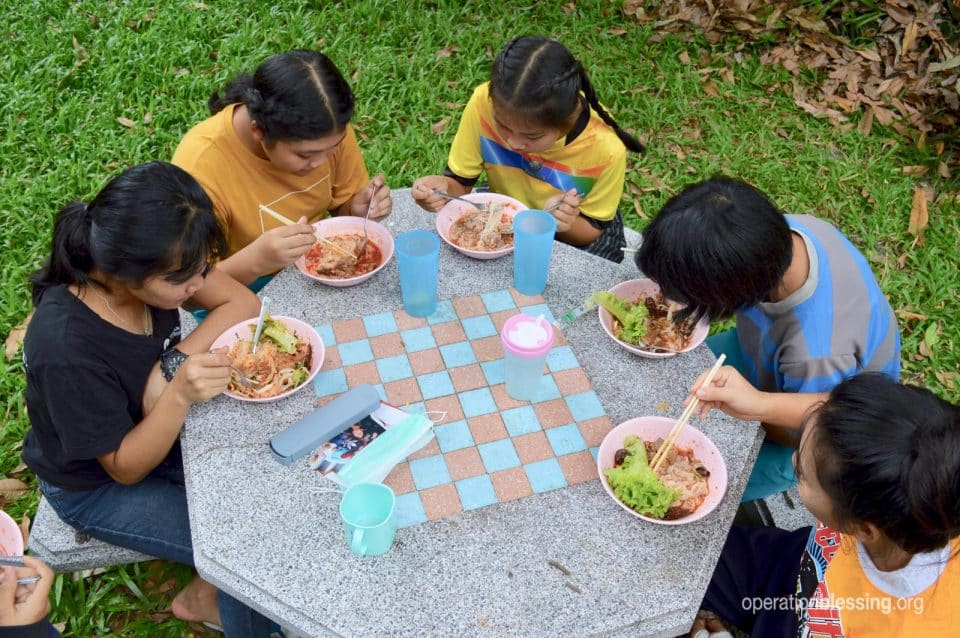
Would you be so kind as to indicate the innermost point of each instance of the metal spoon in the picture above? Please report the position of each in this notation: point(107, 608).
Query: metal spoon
point(263, 314)
point(460, 199)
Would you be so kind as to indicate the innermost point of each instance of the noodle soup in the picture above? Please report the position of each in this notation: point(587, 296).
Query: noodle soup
point(337, 257)
point(470, 230)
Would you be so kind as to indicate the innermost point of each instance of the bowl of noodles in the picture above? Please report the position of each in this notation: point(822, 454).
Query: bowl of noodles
point(333, 260)
point(661, 329)
point(477, 233)
point(287, 359)
point(689, 484)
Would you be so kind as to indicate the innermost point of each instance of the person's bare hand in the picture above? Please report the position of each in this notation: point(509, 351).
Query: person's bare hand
point(24, 604)
point(382, 201)
point(423, 195)
point(709, 628)
point(729, 392)
point(567, 210)
point(280, 247)
point(203, 376)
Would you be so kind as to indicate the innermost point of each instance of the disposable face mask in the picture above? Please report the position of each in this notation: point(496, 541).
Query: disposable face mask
point(374, 462)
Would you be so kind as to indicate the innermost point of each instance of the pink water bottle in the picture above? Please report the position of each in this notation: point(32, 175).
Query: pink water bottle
point(526, 343)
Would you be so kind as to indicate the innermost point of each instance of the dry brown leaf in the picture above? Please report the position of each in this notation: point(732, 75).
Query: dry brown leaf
point(911, 316)
point(866, 122)
point(915, 171)
point(639, 210)
point(918, 213)
point(181, 72)
point(25, 529)
point(21, 467)
point(902, 261)
point(710, 88)
point(868, 54)
point(925, 351)
point(617, 31)
point(439, 126)
point(570, 7)
point(684, 57)
point(949, 379)
point(446, 52)
point(126, 121)
point(943, 170)
point(11, 489)
point(946, 65)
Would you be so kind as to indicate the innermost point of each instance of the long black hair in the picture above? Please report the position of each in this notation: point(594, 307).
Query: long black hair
point(539, 79)
point(152, 219)
point(889, 454)
point(298, 95)
point(717, 246)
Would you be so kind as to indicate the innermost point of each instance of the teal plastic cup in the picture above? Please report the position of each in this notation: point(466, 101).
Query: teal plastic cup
point(367, 511)
point(533, 232)
point(418, 258)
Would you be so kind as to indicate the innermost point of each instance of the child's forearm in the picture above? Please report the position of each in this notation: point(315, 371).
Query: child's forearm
point(581, 232)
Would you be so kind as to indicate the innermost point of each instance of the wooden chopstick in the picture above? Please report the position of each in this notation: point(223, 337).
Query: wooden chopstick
point(283, 220)
point(671, 438)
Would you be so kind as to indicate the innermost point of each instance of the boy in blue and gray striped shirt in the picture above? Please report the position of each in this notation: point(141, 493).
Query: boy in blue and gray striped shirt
point(809, 311)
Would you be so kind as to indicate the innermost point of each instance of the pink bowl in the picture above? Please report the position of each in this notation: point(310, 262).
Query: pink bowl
point(453, 209)
point(331, 226)
point(244, 330)
point(631, 290)
point(650, 428)
point(11, 538)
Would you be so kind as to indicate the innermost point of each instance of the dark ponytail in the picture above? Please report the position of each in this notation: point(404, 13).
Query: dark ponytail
point(152, 219)
point(299, 95)
point(889, 454)
point(539, 79)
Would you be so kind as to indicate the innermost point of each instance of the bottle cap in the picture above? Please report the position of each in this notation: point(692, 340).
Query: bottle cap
point(526, 336)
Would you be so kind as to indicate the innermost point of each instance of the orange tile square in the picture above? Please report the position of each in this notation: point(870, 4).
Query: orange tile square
point(448, 332)
point(430, 449)
point(503, 400)
point(388, 345)
point(362, 373)
point(467, 377)
point(449, 404)
point(578, 467)
point(553, 413)
point(593, 430)
point(465, 463)
point(406, 322)
point(572, 381)
point(532, 447)
point(400, 479)
point(487, 348)
point(486, 428)
point(469, 306)
point(511, 484)
point(441, 501)
point(331, 359)
point(559, 339)
point(322, 401)
point(525, 300)
point(402, 392)
point(500, 318)
point(426, 361)
point(349, 330)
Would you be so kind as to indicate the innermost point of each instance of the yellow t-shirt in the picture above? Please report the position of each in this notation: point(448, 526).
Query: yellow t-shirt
point(594, 163)
point(238, 181)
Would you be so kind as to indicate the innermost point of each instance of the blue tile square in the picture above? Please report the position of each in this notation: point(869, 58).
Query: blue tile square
point(520, 420)
point(418, 339)
point(409, 510)
point(493, 371)
point(329, 382)
point(416, 408)
point(381, 391)
point(562, 358)
point(477, 402)
point(354, 352)
point(595, 452)
point(498, 300)
point(548, 390)
point(429, 472)
point(585, 405)
point(498, 455)
point(479, 327)
point(394, 368)
point(457, 354)
point(443, 313)
point(538, 309)
point(435, 384)
point(326, 333)
point(545, 475)
point(453, 436)
point(380, 324)
point(476, 492)
point(566, 439)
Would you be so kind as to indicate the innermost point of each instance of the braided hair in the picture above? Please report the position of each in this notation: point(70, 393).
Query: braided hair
point(539, 79)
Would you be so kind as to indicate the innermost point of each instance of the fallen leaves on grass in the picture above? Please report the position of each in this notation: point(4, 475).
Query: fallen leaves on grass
point(446, 52)
point(15, 337)
point(11, 489)
point(437, 128)
point(919, 217)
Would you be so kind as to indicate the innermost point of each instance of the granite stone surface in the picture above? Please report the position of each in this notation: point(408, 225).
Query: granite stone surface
point(271, 535)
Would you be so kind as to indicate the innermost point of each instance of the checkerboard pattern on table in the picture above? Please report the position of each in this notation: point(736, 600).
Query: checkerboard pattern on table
point(490, 448)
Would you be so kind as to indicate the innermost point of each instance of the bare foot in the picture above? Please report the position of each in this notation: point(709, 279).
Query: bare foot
point(197, 602)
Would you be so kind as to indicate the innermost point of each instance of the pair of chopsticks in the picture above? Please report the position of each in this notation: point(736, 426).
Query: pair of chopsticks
point(671, 438)
point(283, 220)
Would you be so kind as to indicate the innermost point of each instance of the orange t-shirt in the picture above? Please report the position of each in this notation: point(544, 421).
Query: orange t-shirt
point(239, 182)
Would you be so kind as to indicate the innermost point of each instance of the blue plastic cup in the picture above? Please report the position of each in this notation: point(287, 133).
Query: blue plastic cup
point(533, 232)
point(368, 519)
point(418, 257)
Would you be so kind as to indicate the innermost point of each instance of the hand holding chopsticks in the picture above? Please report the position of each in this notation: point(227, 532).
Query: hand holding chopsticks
point(671, 438)
point(286, 222)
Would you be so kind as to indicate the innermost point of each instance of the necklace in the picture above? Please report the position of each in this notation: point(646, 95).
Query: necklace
point(147, 323)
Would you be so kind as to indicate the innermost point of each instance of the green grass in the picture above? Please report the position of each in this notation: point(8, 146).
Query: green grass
point(156, 63)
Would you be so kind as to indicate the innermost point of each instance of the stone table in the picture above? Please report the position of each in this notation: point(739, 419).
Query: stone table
point(269, 535)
